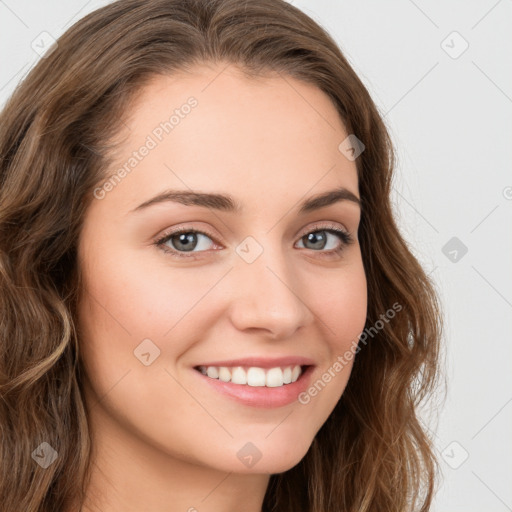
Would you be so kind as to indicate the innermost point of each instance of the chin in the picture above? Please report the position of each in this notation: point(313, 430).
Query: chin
point(265, 458)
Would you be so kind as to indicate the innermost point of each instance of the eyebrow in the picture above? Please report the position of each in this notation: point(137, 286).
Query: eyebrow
point(226, 203)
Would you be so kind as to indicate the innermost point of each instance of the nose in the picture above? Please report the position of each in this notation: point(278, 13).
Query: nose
point(268, 296)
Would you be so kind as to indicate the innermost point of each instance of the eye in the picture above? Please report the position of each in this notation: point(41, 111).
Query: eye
point(323, 236)
point(186, 242)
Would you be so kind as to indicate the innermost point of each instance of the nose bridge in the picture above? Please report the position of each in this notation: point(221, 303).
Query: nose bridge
point(267, 294)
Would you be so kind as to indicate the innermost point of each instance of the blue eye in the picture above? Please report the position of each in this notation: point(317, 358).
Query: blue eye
point(187, 242)
point(319, 239)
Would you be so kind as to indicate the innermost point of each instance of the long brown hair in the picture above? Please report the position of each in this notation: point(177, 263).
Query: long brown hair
point(56, 133)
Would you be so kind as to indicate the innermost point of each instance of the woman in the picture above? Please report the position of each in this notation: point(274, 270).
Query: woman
point(206, 302)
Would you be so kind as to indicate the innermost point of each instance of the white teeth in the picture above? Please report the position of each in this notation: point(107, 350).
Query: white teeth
point(238, 376)
point(224, 374)
point(212, 372)
point(254, 376)
point(274, 378)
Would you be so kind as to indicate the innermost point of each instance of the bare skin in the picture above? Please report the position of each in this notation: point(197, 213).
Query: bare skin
point(166, 440)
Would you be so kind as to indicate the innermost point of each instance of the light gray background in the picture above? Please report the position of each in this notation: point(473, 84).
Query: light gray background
point(450, 118)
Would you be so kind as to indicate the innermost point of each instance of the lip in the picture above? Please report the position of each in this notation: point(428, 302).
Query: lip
point(261, 396)
point(263, 362)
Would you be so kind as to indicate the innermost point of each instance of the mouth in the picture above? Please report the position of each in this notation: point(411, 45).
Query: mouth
point(258, 382)
point(254, 376)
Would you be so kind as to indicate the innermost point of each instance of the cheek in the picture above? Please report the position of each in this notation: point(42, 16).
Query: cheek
point(138, 300)
point(340, 306)
point(125, 303)
point(340, 302)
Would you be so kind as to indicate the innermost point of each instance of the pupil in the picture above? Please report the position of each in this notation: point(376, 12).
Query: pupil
point(317, 239)
point(188, 240)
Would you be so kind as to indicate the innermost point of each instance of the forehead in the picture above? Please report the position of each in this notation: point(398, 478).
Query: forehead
point(244, 135)
point(228, 100)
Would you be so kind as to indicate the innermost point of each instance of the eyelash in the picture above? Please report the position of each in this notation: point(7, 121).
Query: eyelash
point(345, 238)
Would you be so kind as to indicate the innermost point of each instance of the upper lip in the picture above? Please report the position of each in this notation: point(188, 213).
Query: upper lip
point(263, 362)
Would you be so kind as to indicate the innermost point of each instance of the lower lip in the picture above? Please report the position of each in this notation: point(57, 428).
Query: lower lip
point(261, 396)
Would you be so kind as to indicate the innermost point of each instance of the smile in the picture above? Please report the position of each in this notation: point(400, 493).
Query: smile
point(253, 376)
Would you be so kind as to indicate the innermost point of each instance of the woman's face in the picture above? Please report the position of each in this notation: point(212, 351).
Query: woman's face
point(264, 283)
